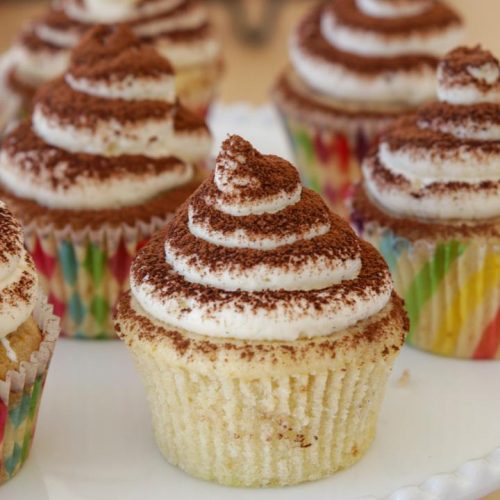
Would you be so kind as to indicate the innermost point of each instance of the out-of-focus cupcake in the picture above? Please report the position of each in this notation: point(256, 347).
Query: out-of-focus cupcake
point(28, 332)
point(106, 158)
point(356, 65)
point(178, 29)
point(430, 201)
point(264, 329)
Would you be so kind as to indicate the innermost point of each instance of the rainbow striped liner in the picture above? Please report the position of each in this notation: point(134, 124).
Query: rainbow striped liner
point(84, 272)
point(328, 160)
point(20, 395)
point(451, 290)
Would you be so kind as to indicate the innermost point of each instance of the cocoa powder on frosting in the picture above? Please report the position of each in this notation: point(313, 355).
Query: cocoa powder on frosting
point(437, 113)
point(366, 211)
point(9, 235)
point(189, 345)
point(340, 243)
point(437, 16)
point(303, 100)
point(30, 212)
point(36, 157)
point(29, 39)
point(310, 36)
point(457, 63)
point(114, 53)
point(57, 98)
point(406, 134)
point(295, 219)
point(270, 174)
point(151, 265)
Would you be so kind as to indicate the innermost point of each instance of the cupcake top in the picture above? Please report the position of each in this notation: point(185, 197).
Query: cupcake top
point(107, 134)
point(18, 278)
point(254, 255)
point(442, 164)
point(384, 51)
point(179, 29)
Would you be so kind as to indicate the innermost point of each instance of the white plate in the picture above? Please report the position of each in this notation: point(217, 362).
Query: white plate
point(94, 439)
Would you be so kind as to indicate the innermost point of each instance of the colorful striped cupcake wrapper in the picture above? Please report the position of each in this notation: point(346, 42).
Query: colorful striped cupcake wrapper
point(84, 272)
point(451, 291)
point(20, 396)
point(328, 159)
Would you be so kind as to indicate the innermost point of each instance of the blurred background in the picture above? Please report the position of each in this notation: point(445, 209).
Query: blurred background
point(254, 36)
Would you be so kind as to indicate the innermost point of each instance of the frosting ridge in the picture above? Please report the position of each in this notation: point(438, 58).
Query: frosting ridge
point(284, 269)
point(18, 278)
point(385, 49)
point(442, 163)
point(107, 134)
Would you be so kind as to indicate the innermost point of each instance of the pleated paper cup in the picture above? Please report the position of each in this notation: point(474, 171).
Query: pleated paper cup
point(20, 395)
point(84, 271)
point(263, 413)
point(451, 290)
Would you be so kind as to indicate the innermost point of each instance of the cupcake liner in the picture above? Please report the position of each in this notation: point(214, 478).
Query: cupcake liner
point(267, 431)
point(257, 414)
point(20, 395)
point(329, 157)
point(84, 271)
point(451, 290)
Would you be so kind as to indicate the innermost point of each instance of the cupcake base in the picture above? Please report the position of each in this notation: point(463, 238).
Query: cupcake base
point(263, 413)
point(20, 395)
point(450, 282)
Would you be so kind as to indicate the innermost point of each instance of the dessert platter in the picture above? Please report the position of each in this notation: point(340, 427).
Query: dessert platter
point(309, 290)
point(95, 441)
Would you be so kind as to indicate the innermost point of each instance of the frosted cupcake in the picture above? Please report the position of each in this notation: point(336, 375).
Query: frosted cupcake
point(178, 29)
point(28, 331)
point(430, 201)
point(356, 65)
point(263, 328)
point(106, 158)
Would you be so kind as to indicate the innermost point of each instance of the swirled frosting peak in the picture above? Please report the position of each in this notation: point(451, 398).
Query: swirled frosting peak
point(108, 133)
point(443, 162)
point(254, 255)
point(179, 29)
point(377, 50)
point(469, 76)
point(18, 278)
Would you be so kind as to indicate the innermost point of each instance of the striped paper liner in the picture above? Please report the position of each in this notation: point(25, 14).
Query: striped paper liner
point(451, 290)
point(328, 159)
point(20, 395)
point(83, 272)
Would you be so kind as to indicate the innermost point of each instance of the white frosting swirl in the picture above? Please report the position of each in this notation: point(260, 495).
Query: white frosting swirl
point(393, 8)
point(332, 75)
point(61, 28)
point(49, 161)
point(115, 11)
point(35, 67)
point(443, 164)
point(373, 44)
point(278, 274)
point(18, 278)
point(131, 88)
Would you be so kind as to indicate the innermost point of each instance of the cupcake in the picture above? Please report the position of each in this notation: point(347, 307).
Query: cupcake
point(178, 29)
point(263, 328)
point(28, 332)
point(430, 202)
point(356, 65)
point(105, 159)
